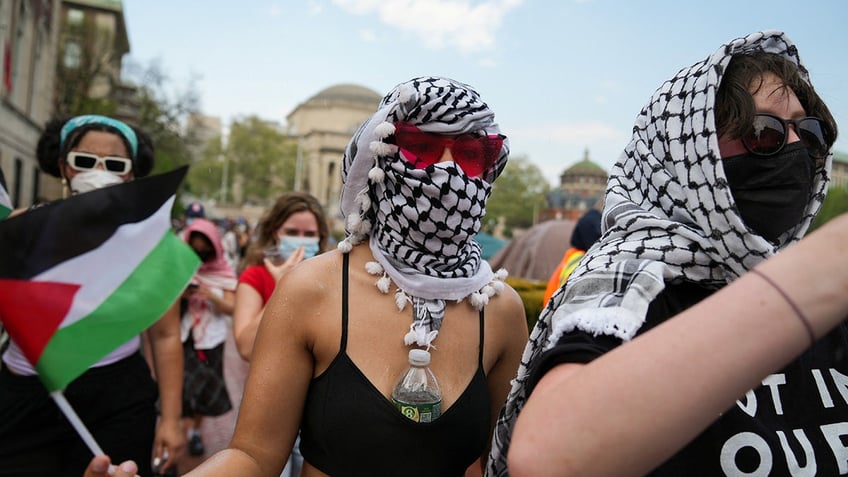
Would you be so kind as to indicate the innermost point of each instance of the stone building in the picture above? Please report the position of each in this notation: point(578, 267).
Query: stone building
point(581, 187)
point(38, 38)
point(29, 32)
point(323, 125)
point(839, 172)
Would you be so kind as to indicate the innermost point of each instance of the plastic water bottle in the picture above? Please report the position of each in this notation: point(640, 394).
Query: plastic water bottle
point(417, 394)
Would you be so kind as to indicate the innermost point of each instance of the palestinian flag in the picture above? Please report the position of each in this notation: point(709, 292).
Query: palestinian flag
point(5, 201)
point(81, 276)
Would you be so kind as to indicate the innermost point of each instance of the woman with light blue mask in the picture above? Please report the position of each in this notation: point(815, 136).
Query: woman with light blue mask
point(294, 230)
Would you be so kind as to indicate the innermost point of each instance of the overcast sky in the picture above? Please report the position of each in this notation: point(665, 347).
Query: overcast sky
point(562, 76)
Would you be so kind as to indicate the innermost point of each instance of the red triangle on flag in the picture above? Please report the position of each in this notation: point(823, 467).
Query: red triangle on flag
point(32, 311)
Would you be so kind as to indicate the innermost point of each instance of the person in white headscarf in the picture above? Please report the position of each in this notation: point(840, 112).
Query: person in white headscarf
point(335, 337)
point(700, 335)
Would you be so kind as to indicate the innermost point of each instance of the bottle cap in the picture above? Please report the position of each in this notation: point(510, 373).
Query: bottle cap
point(419, 357)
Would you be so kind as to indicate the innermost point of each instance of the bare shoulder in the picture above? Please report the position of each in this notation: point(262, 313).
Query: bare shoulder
point(508, 306)
point(505, 318)
point(313, 276)
point(309, 290)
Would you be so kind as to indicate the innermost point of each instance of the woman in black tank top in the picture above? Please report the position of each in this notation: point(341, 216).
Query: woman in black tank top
point(335, 335)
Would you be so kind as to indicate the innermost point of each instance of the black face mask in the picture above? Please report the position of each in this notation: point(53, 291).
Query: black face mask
point(771, 192)
point(206, 255)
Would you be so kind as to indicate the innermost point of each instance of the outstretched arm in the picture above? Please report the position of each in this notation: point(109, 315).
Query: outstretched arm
point(601, 419)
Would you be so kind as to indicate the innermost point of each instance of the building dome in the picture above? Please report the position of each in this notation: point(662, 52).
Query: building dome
point(585, 168)
point(346, 93)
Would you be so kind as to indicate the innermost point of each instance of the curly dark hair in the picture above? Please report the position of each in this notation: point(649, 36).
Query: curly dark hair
point(735, 107)
point(50, 152)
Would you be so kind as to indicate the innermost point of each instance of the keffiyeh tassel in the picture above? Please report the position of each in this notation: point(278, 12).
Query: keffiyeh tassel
point(384, 130)
point(419, 335)
point(384, 283)
point(401, 299)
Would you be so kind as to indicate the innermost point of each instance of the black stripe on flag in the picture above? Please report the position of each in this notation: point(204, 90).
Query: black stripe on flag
point(43, 237)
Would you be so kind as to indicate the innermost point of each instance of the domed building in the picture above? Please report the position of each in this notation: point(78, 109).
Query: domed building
point(323, 125)
point(581, 187)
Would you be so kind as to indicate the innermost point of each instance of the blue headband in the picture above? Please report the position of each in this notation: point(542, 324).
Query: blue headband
point(79, 121)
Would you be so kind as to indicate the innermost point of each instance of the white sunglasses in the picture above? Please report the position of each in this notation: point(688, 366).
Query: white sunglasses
point(86, 161)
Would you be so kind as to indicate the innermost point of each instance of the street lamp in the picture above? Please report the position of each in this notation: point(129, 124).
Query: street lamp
point(224, 177)
point(298, 165)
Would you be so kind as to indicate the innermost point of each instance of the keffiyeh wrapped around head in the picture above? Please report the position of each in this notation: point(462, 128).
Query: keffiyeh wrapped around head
point(669, 216)
point(421, 222)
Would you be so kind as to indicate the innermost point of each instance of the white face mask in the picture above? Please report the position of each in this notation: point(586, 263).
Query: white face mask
point(94, 179)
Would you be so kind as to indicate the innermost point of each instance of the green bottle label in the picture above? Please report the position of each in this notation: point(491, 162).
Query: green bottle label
point(428, 412)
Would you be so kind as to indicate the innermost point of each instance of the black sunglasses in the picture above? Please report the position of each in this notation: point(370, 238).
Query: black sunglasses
point(769, 134)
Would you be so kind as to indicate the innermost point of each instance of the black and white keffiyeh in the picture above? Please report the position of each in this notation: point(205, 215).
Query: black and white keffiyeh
point(669, 216)
point(421, 222)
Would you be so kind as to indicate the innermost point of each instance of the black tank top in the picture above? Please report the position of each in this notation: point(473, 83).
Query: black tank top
point(350, 429)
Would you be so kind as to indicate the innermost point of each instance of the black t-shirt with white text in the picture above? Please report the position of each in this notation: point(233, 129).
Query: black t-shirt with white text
point(794, 424)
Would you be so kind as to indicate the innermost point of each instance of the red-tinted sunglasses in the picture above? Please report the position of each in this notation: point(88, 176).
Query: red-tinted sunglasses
point(474, 153)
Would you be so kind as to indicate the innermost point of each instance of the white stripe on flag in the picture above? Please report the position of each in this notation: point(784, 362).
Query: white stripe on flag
point(102, 270)
point(5, 200)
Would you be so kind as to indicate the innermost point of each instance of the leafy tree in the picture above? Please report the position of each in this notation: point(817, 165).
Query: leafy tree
point(835, 203)
point(162, 112)
point(205, 176)
point(261, 159)
point(86, 56)
point(517, 195)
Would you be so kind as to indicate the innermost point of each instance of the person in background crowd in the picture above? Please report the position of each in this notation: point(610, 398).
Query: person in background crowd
point(230, 242)
point(194, 210)
point(585, 233)
point(294, 229)
point(701, 336)
point(117, 393)
point(209, 302)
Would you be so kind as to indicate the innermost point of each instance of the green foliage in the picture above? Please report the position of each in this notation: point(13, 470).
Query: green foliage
point(517, 195)
point(80, 67)
point(262, 158)
point(205, 175)
point(162, 111)
point(532, 293)
point(834, 204)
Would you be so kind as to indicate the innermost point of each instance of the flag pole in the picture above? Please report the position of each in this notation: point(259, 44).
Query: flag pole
point(75, 421)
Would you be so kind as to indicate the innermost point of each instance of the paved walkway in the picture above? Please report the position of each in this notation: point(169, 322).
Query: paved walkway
point(217, 431)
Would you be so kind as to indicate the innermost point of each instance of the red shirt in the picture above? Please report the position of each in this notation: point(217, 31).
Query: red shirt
point(258, 277)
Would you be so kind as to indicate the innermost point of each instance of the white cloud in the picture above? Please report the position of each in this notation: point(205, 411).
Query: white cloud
point(440, 23)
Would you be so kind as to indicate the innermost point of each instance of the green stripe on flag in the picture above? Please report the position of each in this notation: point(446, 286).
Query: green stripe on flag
point(4, 211)
point(135, 305)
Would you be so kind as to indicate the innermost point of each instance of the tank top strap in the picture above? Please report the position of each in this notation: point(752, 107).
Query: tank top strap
point(480, 357)
point(345, 266)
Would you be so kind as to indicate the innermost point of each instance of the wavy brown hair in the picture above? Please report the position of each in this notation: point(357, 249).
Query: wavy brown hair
point(286, 205)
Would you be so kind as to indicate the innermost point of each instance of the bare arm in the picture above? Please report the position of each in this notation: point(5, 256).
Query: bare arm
point(247, 314)
point(280, 371)
point(577, 414)
point(167, 353)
